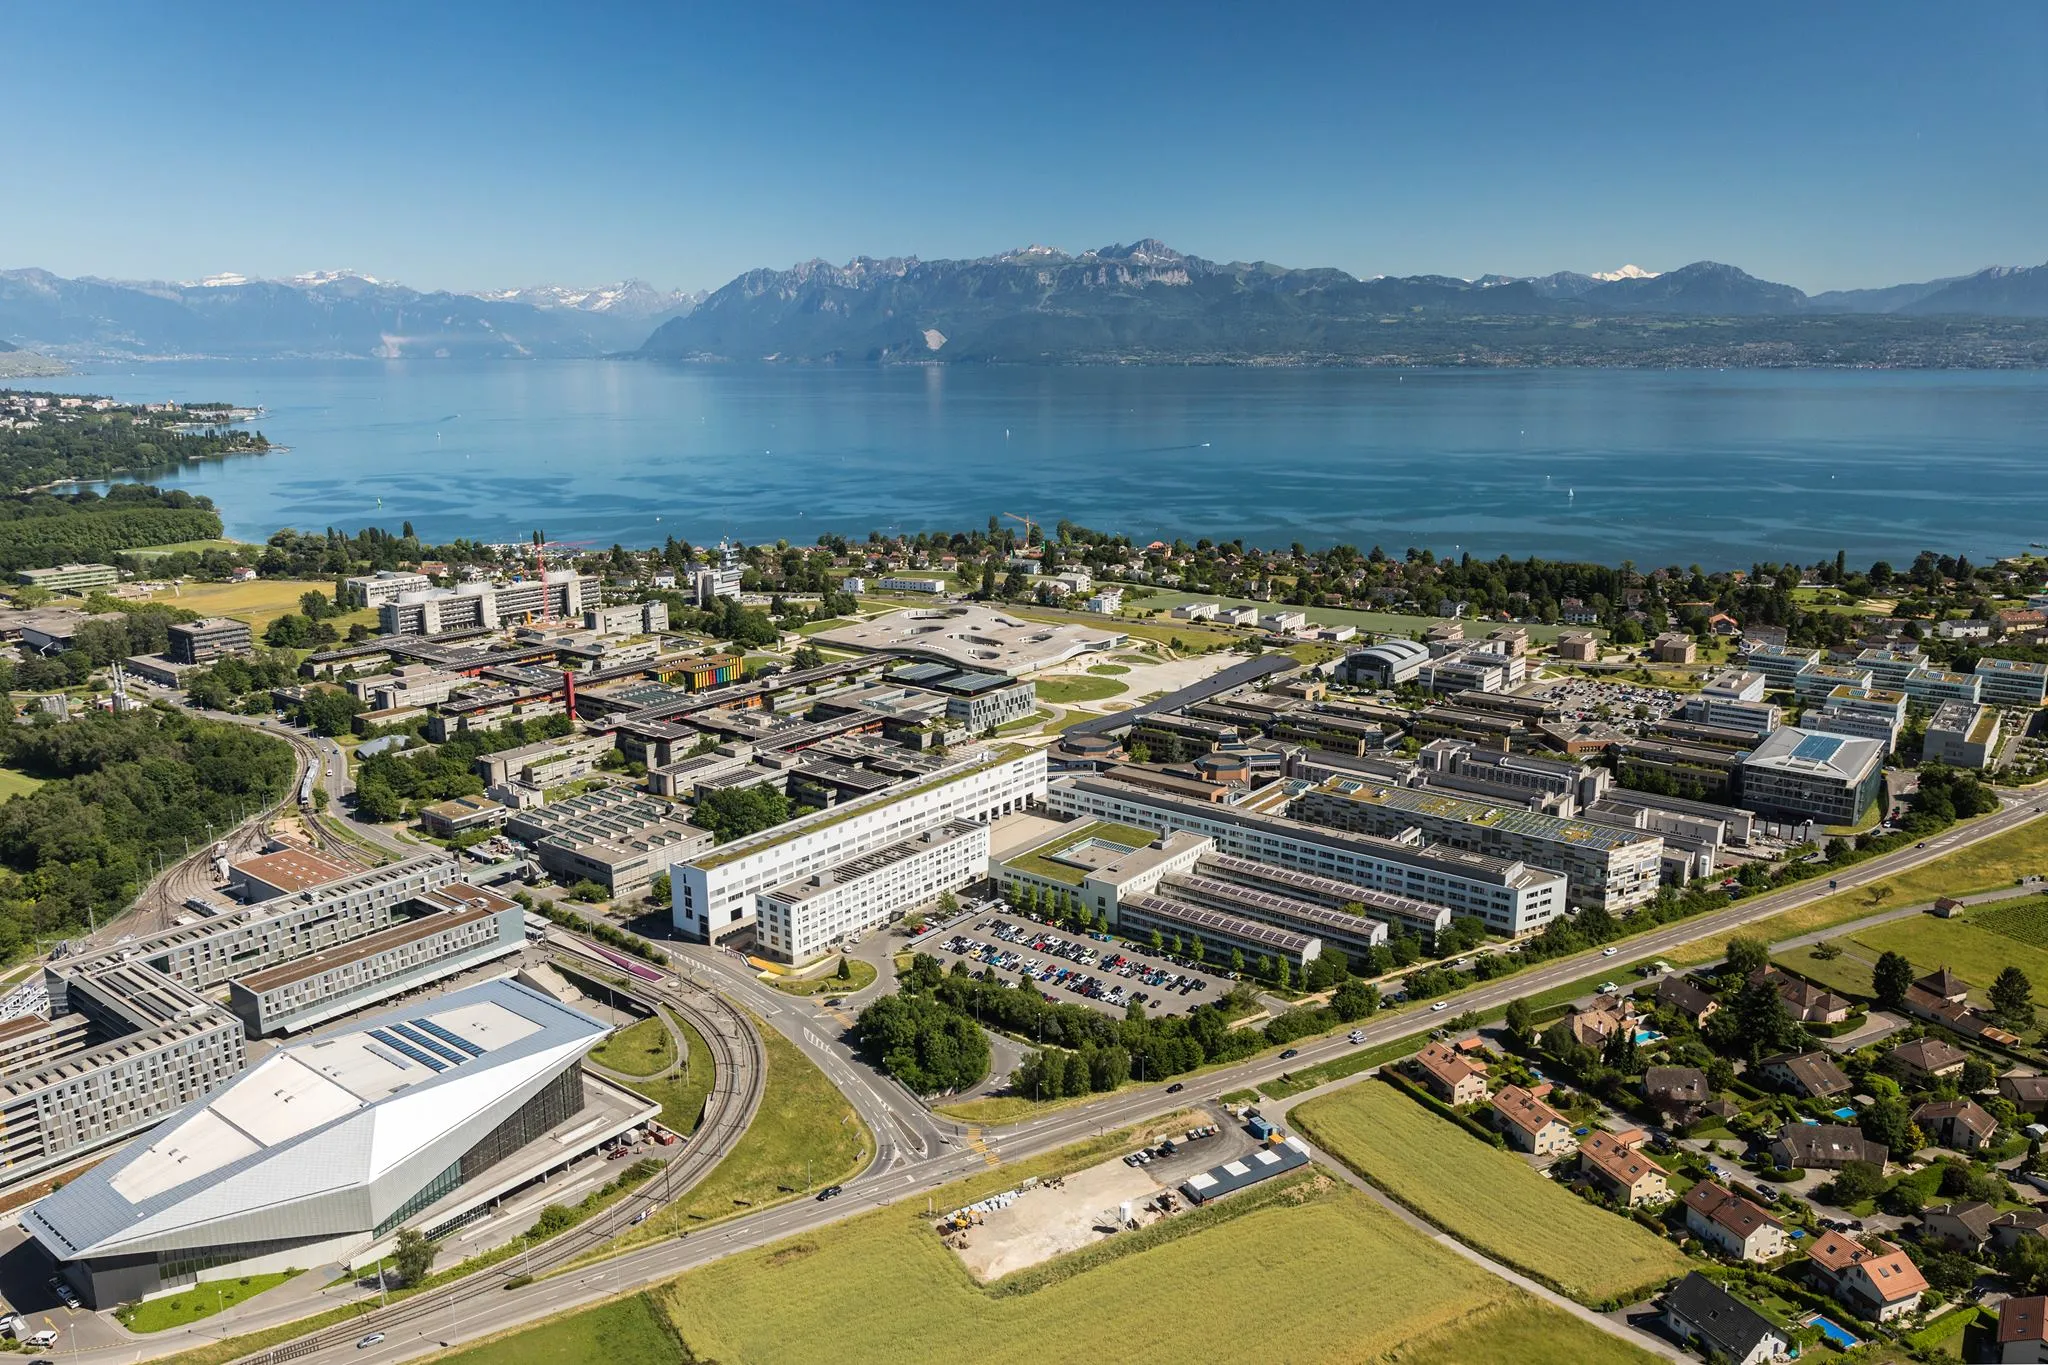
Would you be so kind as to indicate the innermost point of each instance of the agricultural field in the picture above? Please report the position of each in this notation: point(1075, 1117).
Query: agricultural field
point(1973, 947)
point(1988, 865)
point(1315, 1271)
point(1487, 1198)
point(259, 603)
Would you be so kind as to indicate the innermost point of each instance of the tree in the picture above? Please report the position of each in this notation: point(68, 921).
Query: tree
point(1282, 974)
point(661, 890)
point(1747, 955)
point(588, 891)
point(2012, 999)
point(1889, 1122)
point(1158, 942)
point(735, 812)
point(845, 969)
point(1236, 962)
point(1521, 1020)
point(1354, 1000)
point(1890, 978)
point(413, 1257)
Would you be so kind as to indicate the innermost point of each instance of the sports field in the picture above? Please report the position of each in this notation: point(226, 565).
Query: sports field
point(1301, 1270)
point(1986, 866)
point(1487, 1198)
point(1976, 948)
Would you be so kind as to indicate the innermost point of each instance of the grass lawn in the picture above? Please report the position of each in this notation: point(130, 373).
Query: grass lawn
point(642, 1049)
point(198, 1301)
point(682, 1095)
point(1298, 1259)
point(1039, 862)
point(1071, 688)
point(197, 547)
point(13, 783)
point(1108, 670)
point(1488, 1198)
point(621, 1332)
point(1985, 866)
point(805, 1130)
point(259, 603)
point(1965, 946)
point(1309, 1077)
point(1377, 622)
point(860, 976)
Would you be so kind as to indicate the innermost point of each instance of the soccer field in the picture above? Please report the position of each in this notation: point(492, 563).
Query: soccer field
point(1487, 1198)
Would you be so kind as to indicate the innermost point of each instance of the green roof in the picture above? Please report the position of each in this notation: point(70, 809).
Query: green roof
point(1040, 861)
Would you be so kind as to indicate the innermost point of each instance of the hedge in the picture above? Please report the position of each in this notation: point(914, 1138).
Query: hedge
point(1437, 1106)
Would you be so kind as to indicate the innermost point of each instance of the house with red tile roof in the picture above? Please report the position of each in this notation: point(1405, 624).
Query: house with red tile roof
point(1450, 1077)
point(1529, 1124)
point(1620, 1171)
point(1736, 1226)
point(1879, 1281)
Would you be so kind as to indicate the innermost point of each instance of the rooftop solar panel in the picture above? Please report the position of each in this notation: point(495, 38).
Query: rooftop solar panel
point(405, 1049)
point(1817, 748)
point(439, 1049)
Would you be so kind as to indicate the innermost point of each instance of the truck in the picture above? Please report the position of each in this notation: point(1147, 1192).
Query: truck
point(1259, 1128)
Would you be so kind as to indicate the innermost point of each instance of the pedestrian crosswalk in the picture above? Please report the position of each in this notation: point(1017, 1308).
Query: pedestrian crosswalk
point(975, 1144)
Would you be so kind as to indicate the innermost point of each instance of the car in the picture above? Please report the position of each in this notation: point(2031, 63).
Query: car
point(42, 1340)
point(1290, 1054)
point(370, 1340)
point(1357, 1035)
point(1439, 1005)
point(830, 1192)
point(1175, 1088)
point(1609, 951)
point(639, 1218)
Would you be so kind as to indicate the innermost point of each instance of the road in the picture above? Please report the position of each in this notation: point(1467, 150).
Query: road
point(917, 1152)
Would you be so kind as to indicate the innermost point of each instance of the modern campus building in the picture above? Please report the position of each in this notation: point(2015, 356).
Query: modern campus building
point(325, 1148)
point(1512, 897)
point(801, 919)
point(201, 642)
point(971, 636)
point(1963, 734)
point(649, 618)
point(1780, 665)
point(460, 927)
point(620, 839)
point(977, 702)
point(717, 894)
point(1877, 713)
point(1800, 774)
point(1608, 867)
point(1929, 687)
point(561, 594)
point(2013, 682)
point(77, 579)
point(1815, 681)
point(387, 585)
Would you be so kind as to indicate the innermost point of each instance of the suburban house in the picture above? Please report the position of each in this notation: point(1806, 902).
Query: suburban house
point(1677, 1092)
point(1945, 985)
point(1529, 1124)
point(1877, 1282)
point(2008, 1229)
point(1620, 1171)
point(1959, 1124)
point(1804, 1001)
point(1964, 1225)
point(1701, 1313)
point(1927, 1059)
point(1738, 1227)
point(1596, 1023)
point(2028, 1093)
point(1824, 1147)
point(1811, 1074)
point(1677, 993)
point(1449, 1076)
point(2023, 1329)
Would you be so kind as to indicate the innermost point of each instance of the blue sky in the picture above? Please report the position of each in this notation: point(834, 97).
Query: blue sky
point(471, 146)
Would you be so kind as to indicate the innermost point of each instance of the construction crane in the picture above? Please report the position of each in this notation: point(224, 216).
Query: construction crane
point(541, 546)
point(1029, 525)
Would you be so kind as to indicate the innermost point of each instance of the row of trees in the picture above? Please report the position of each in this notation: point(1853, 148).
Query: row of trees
point(43, 529)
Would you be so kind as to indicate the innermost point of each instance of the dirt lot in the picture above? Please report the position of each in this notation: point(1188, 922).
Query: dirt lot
point(1048, 1221)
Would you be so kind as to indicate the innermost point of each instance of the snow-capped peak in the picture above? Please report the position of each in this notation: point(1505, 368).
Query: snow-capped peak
point(1627, 272)
point(318, 277)
point(223, 280)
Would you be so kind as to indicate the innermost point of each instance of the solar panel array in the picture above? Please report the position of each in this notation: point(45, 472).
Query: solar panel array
point(1285, 911)
point(405, 1049)
point(1817, 748)
point(1217, 922)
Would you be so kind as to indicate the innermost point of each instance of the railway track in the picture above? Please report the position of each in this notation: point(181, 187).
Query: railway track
point(740, 1071)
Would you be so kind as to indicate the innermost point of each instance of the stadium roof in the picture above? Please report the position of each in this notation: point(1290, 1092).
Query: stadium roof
point(304, 1140)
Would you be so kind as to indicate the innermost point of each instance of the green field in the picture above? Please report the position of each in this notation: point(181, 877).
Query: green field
point(805, 1136)
point(197, 1301)
point(1312, 1270)
point(642, 1049)
point(1968, 947)
point(1487, 1198)
point(1984, 866)
point(681, 1095)
point(860, 975)
point(1109, 670)
point(259, 603)
point(13, 783)
point(197, 547)
point(1077, 687)
point(2025, 920)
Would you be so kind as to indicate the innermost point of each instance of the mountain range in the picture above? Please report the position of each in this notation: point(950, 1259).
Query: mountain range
point(321, 314)
point(1141, 302)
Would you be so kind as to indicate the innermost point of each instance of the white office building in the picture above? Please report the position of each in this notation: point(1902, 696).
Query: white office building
point(386, 585)
point(2013, 682)
point(716, 894)
point(801, 919)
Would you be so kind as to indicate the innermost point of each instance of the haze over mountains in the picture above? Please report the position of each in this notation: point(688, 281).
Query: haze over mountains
point(1139, 302)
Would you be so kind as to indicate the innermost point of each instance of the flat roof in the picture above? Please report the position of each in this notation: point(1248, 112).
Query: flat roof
point(357, 950)
point(292, 869)
point(1507, 819)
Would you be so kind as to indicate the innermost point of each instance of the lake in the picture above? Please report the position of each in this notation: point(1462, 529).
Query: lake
point(1716, 468)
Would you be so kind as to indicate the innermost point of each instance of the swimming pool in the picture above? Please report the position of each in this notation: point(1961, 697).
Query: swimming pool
point(1648, 1036)
point(1845, 1112)
point(1836, 1334)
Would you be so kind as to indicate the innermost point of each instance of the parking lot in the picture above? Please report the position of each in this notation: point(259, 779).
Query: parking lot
point(1624, 704)
point(1073, 968)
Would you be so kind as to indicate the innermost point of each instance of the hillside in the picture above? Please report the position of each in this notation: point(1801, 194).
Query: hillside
point(1147, 302)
